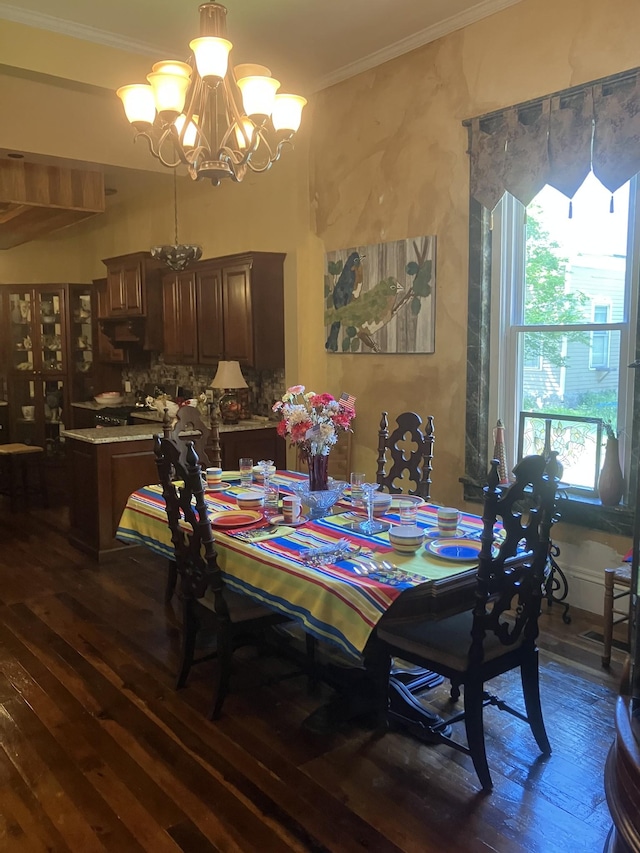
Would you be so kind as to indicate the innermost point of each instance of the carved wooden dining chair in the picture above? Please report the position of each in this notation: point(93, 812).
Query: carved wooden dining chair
point(229, 615)
point(500, 633)
point(411, 450)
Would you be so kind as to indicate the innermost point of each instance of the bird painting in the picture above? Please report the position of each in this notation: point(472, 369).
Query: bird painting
point(383, 304)
point(348, 285)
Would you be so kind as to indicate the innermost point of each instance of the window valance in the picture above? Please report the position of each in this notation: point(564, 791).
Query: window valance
point(558, 140)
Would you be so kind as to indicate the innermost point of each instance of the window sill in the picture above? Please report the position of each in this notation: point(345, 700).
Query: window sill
point(584, 512)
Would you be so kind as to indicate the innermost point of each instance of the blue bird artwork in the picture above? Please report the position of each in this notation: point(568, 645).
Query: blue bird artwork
point(380, 298)
point(345, 289)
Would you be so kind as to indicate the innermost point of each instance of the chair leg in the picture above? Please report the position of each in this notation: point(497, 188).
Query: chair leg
point(190, 625)
point(172, 579)
point(607, 630)
point(474, 725)
point(223, 676)
point(531, 691)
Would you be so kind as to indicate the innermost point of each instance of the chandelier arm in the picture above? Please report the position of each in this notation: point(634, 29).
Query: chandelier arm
point(155, 146)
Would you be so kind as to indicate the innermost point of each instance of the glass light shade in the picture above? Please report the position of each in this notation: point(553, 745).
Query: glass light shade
point(212, 55)
point(250, 69)
point(249, 128)
point(258, 94)
point(170, 83)
point(287, 112)
point(191, 133)
point(228, 375)
point(138, 102)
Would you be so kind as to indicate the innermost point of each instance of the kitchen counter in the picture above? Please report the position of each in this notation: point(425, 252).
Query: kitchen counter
point(140, 432)
point(107, 464)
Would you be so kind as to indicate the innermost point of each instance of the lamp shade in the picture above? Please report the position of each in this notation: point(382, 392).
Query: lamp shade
point(228, 375)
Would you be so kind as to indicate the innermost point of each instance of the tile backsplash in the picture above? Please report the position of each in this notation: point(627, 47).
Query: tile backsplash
point(265, 386)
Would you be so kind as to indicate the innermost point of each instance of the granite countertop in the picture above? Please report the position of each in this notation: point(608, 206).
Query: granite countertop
point(140, 432)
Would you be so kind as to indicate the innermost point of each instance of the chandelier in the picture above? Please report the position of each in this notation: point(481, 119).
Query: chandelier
point(180, 255)
point(216, 120)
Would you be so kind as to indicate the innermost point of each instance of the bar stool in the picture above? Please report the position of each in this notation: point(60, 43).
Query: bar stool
point(15, 460)
point(612, 578)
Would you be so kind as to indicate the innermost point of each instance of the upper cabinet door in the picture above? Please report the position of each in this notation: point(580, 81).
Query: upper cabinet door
point(124, 289)
point(237, 313)
point(179, 317)
point(209, 313)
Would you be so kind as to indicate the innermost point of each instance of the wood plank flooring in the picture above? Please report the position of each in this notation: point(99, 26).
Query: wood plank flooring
point(99, 753)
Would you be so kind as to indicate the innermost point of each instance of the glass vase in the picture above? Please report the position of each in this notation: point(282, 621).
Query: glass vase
point(318, 472)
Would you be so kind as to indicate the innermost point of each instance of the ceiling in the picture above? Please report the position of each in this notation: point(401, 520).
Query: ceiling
point(308, 44)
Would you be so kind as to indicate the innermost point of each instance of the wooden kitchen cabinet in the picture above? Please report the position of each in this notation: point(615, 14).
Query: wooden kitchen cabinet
point(226, 308)
point(130, 308)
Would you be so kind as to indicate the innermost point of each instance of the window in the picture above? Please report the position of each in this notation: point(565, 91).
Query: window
point(600, 340)
point(561, 329)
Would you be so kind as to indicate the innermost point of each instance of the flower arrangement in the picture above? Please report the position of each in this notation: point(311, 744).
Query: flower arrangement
point(313, 421)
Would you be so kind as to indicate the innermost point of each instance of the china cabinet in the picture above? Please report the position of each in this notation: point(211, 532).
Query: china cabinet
point(50, 357)
point(226, 308)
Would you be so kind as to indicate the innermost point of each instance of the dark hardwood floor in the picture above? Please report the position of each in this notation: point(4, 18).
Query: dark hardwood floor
point(98, 752)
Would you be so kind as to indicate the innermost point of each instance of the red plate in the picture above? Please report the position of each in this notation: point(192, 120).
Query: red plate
point(234, 518)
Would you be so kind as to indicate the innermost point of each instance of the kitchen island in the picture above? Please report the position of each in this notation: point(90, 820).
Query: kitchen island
point(107, 464)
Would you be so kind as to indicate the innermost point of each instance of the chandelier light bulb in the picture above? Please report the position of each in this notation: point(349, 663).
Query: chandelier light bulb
point(191, 132)
point(258, 94)
point(212, 56)
point(287, 112)
point(244, 139)
point(138, 102)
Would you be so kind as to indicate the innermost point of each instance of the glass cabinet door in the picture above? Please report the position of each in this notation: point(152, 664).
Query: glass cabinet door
point(50, 332)
point(21, 331)
point(54, 404)
point(81, 333)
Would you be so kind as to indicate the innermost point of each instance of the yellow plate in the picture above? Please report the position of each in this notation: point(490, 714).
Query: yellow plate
point(231, 475)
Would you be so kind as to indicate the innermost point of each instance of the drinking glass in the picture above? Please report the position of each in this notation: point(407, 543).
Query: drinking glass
point(271, 498)
point(408, 511)
point(357, 492)
point(246, 471)
point(370, 526)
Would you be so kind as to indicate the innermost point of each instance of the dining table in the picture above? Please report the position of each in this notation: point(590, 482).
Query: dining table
point(337, 601)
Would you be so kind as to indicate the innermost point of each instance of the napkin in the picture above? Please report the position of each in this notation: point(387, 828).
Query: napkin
point(261, 536)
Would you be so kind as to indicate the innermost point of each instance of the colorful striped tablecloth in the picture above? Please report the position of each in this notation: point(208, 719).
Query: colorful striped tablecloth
point(332, 602)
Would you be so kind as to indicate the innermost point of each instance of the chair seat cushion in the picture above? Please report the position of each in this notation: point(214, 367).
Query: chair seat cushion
point(446, 642)
point(12, 449)
point(241, 607)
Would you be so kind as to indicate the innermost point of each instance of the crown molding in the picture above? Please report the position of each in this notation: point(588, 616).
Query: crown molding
point(442, 28)
point(41, 21)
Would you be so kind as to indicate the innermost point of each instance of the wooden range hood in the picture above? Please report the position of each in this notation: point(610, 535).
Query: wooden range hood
point(36, 199)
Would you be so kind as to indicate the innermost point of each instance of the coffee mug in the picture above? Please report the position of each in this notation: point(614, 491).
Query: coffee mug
point(214, 478)
point(290, 509)
point(448, 518)
point(28, 412)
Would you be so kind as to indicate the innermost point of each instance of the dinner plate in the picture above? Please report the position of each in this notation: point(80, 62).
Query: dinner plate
point(234, 517)
point(458, 550)
point(279, 520)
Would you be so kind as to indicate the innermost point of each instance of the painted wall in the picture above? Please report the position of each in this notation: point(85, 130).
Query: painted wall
point(387, 160)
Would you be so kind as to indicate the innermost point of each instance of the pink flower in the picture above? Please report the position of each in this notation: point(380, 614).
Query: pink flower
point(296, 389)
point(319, 400)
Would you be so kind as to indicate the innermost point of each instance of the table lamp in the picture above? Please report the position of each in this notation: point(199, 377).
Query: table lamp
point(228, 379)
